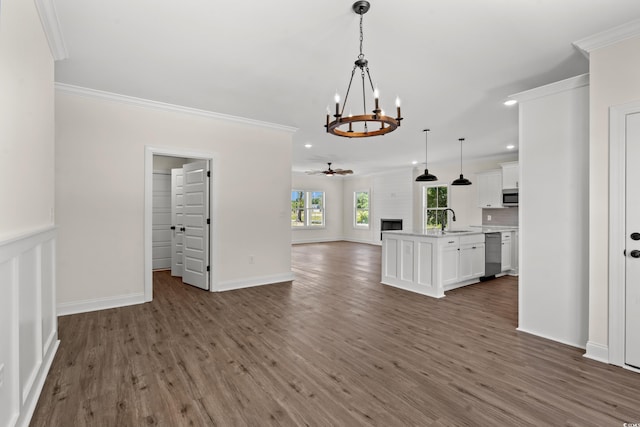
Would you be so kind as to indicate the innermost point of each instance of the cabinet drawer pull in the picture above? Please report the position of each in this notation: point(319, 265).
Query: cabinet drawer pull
point(451, 241)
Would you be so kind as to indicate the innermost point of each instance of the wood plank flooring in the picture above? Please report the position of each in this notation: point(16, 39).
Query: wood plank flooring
point(335, 347)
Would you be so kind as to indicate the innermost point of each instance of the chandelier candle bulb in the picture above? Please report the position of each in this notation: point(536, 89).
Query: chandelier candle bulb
point(337, 99)
point(398, 107)
point(376, 97)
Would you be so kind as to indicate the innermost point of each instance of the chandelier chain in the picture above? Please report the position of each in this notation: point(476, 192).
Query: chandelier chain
point(361, 38)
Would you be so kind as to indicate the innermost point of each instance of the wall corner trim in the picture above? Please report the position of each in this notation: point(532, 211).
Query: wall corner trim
point(163, 106)
point(51, 27)
point(597, 352)
point(608, 37)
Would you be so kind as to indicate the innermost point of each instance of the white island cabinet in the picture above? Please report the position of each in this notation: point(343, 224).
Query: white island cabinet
point(431, 264)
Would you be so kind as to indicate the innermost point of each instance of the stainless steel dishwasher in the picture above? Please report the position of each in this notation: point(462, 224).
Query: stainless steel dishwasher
point(492, 255)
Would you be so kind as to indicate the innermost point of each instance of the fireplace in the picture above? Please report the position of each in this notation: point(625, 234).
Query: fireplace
point(390, 224)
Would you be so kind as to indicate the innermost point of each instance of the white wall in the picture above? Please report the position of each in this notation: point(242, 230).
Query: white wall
point(350, 232)
point(27, 121)
point(100, 175)
point(554, 256)
point(614, 72)
point(332, 186)
point(28, 322)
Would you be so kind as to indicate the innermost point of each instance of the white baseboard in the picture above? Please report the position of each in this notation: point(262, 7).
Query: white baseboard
point(548, 337)
point(366, 242)
point(340, 239)
point(597, 352)
point(230, 285)
point(96, 304)
point(318, 240)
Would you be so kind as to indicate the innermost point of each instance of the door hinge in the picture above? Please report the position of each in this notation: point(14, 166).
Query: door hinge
point(208, 174)
point(208, 220)
point(208, 268)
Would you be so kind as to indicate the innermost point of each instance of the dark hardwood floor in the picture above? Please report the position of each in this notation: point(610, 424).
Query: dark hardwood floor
point(335, 347)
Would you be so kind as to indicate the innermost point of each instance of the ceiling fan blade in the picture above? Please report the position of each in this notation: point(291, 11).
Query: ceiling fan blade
point(343, 171)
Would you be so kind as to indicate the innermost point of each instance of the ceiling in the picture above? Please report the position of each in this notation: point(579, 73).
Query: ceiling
point(452, 63)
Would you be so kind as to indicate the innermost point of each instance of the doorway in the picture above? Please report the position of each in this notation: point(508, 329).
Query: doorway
point(203, 229)
point(624, 236)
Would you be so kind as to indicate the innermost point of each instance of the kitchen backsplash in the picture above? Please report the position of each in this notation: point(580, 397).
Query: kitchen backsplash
point(504, 216)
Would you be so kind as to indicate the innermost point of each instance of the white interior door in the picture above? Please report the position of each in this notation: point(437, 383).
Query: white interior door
point(177, 222)
point(196, 214)
point(161, 228)
point(632, 267)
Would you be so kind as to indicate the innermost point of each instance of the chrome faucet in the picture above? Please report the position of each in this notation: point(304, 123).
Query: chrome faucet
point(444, 211)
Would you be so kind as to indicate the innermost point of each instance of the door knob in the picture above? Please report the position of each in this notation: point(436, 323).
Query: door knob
point(182, 229)
point(635, 236)
point(635, 253)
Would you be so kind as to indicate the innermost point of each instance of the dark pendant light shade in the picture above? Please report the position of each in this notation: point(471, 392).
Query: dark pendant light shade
point(426, 176)
point(462, 180)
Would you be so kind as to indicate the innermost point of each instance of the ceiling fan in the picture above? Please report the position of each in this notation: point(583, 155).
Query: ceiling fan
point(331, 172)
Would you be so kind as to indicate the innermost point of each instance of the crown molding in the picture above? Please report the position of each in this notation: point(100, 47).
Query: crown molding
point(51, 27)
point(162, 106)
point(561, 86)
point(608, 37)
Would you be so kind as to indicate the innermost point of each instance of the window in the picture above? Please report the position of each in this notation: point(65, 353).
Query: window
point(361, 209)
point(435, 199)
point(307, 209)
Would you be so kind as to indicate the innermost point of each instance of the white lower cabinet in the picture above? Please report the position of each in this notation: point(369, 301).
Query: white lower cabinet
point(449, 254)
point(471, 257)
point(506, 250)
point(471, 261)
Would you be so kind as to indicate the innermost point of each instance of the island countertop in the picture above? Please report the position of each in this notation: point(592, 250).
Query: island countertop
point(471, 230)
point(435, 233)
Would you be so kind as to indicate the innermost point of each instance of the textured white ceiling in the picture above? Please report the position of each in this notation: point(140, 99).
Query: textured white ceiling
point(452, 62)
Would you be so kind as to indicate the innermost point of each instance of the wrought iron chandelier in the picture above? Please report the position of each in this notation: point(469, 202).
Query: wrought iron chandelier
point(380, 123)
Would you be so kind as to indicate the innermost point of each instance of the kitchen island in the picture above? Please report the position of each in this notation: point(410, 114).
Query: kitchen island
point(432, 262)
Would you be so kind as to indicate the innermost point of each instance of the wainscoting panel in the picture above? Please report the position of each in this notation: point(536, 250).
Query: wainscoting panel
point(28, 322)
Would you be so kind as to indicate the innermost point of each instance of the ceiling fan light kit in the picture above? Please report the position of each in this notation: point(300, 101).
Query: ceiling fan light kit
point(381, 123)
point(426, 176)
point(462, 180)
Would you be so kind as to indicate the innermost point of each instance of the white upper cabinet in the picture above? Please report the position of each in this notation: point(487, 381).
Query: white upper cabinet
point(510, 175)
point(490, 189)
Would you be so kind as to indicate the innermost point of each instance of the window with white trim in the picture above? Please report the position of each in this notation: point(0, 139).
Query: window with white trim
point(307, 209)
point(361, 209)
point(435, 199)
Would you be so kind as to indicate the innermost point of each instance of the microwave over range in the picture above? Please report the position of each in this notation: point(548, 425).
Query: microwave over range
point(510, 197)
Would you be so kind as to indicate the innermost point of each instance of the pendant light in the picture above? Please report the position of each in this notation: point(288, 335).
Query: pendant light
point(462, 180)
point(426, 176)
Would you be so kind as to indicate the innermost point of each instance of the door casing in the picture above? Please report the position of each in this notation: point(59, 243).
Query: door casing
point(149, 152)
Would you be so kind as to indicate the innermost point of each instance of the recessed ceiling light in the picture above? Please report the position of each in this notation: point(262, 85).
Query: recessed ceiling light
point(510, 147)
point(510, 102)
point(415, 162)
point(308, 145)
